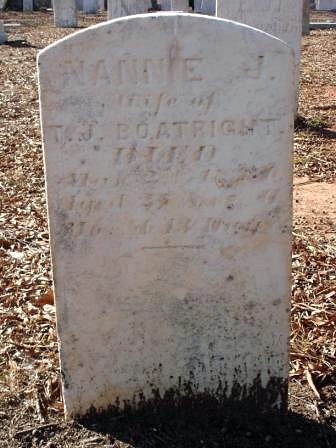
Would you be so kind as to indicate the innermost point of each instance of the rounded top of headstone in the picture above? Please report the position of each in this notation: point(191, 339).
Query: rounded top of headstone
point(173, 22)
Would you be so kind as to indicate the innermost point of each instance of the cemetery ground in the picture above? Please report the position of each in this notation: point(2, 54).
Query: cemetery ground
point(31, 409)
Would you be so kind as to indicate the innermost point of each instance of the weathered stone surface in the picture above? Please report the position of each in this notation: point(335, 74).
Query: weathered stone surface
point(168, 165)
point(281, 18)
point(121, 8)
point(205, 7)
point(179, 5)
point(306, 18)
point(326, 5)
point(101, 5)
point(65, 14)
point(27, 5)
point(3, 35)
point(90, 6)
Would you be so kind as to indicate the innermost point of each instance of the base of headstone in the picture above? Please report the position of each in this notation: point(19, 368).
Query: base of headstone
point(184, 402)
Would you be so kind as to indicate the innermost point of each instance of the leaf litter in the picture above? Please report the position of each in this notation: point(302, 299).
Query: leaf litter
point(31, 406)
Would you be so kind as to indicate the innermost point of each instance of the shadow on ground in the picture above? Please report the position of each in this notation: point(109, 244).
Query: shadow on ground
point(315, 125)
point(20, 43)
point(200, 425)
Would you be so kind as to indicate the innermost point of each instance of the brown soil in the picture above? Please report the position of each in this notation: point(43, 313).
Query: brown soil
point(31, 408)
point(315, 204)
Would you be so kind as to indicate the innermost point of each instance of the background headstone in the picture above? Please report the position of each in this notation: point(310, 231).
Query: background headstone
point(306, 18)
point(65, 13)
point(179, 5)
point(167, 142)
point(90, 6)
point(205, 6)
point(79, 5)
point(101, 5)
point(326, 5)
point(27, 5)
point(121, 8)
point(3, 35)
point(2, 4)
point(281, 18)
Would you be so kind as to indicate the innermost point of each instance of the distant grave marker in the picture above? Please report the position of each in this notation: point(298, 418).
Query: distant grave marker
point(326, 5)
point(121, 8)
point(27, 5)
point(65, 13)
point(90, 6)
point(169, 180)
point(281, 18)
point(3, 35)
point(205, 7)
point(306, 18)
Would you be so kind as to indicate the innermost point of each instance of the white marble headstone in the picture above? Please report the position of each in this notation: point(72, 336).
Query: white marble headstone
point(101, 5)
point(205, 7)
point(121, 8)
point(27, 5)
point(90, 6)
point(326, 5)
point(65, 13)
point(3, 35)
point(178, 5)
point(281, 18)
point(167, 141)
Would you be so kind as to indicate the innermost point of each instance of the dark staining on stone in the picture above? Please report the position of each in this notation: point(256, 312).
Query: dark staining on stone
point(230, 278)
point(186, 399)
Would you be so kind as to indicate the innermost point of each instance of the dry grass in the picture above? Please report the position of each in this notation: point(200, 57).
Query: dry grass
point(29, 378)
point(313, 342)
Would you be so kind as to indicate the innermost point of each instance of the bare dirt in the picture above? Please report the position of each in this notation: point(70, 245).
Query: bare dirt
point(31, 407)
point(315, 203)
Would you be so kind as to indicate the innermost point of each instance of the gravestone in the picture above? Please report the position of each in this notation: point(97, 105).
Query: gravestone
point(205, 7)
point(281, 18)
point(27, 5)
point(3, 4)
point(306, 18)
point(326, 5)
point(121, 8)
point(179, 5)
point(101, 5)
point(65, 13)
point(79, 5)
point(169, 189)
point(90, 6)
point(3, 35)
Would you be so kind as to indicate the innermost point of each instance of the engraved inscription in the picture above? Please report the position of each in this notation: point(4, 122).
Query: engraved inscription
point(164, 130)
point(133, 71)
point(174, 227)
